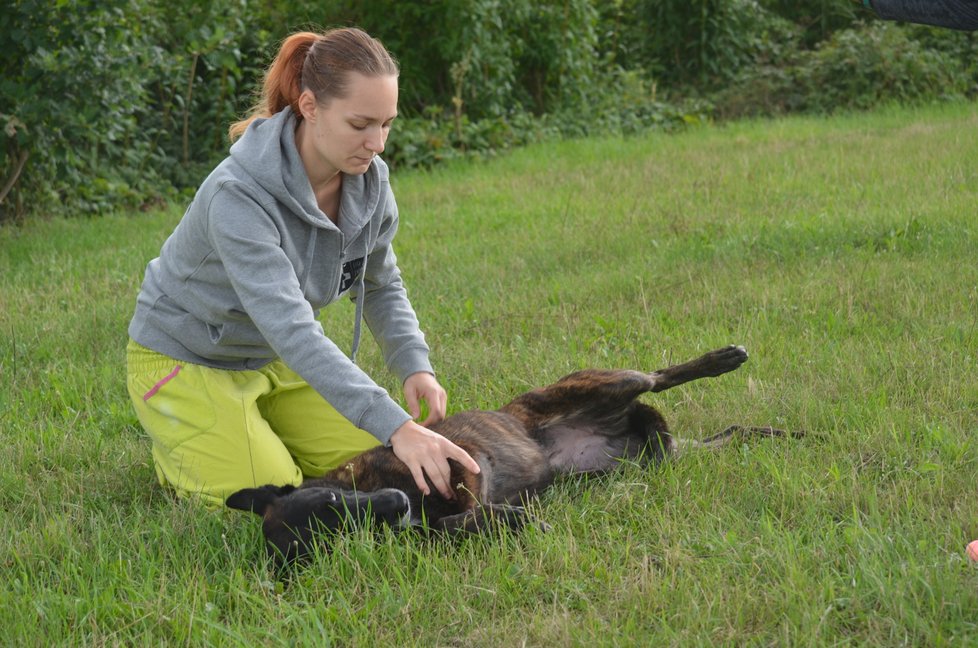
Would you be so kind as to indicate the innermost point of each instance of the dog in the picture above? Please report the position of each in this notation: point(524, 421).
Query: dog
point(587, 422)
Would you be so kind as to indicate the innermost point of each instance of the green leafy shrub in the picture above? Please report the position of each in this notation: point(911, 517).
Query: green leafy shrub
point(815, 21)
point(863, 67)
point(123, 103)
point(624, 104)
point(115, 103)
point(72, 80)
point(958, 50)
point(856, 68)
point(688, 42)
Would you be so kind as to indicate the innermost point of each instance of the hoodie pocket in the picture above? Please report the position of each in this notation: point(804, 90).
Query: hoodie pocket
point(235, 334)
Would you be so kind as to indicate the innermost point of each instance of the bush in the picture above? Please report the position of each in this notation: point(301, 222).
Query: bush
point(121, 103)
point(863, 67)
point(857, 68)
point(115, 103)
point(959, 51)
point(624, 104)
point(815, 21)
point(699, 43)
point(72, 99)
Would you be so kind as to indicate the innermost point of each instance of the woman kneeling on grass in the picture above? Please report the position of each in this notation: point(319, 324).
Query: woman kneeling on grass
point(229, 369)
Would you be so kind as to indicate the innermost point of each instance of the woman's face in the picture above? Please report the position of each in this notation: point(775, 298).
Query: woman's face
point(346, 134)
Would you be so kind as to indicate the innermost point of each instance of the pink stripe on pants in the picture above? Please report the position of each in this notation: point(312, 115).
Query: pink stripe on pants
point(170, 376)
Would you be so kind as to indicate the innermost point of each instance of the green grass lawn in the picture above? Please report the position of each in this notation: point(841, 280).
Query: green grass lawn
point(841, 252)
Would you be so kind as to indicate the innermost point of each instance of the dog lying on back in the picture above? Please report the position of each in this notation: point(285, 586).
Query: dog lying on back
point(587, 422)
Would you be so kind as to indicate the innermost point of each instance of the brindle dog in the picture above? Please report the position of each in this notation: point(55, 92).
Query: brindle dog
point(587, 422)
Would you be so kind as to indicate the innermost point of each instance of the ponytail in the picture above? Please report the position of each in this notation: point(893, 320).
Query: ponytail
point(320, 63)
point(283, 81)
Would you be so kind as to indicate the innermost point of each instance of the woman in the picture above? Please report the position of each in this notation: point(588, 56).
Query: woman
point(229, 369)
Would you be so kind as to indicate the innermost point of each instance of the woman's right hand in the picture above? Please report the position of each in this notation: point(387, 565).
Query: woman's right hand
point(427, 453)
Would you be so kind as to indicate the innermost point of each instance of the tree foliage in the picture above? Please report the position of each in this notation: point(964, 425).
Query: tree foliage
point(73, 98)
point(118, 103)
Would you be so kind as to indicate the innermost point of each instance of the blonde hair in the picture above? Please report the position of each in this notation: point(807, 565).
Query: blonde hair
point(321, 63)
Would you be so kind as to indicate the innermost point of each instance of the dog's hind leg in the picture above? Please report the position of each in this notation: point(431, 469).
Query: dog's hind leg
point(599, 394)
point(714, 363)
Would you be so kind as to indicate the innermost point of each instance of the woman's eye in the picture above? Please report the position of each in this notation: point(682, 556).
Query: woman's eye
point(359, 127)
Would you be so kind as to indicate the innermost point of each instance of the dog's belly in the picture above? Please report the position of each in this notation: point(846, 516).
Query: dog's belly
point(576, 449)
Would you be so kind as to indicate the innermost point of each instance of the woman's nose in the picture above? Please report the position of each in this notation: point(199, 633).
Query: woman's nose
point(375, 144)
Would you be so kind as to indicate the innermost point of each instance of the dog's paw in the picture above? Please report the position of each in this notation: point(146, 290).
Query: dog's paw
point(735, 353)
point(257, 500)
point(393, 507)
point(726, 359)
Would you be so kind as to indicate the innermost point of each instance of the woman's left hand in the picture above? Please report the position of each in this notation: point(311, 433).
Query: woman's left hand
point(423, 386)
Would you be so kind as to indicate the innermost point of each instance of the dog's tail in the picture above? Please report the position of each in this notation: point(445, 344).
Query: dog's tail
point(740, 431)
point(257, 500)
point(731, 434)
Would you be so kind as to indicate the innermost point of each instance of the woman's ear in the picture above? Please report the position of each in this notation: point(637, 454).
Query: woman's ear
point(307, 105)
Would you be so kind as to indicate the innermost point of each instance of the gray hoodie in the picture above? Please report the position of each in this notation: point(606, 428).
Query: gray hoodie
point(242, 278)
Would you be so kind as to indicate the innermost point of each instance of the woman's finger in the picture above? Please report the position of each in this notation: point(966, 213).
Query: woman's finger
point(441, 478)
point(419, 481)
point(438, 405)
point(463, 457)
point(413, 403)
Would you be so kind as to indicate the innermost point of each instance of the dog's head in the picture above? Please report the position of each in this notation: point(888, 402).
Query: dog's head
point(294, 518)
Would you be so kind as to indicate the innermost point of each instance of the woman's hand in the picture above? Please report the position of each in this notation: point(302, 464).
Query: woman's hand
point(423, 386)
point(427, 453)
point(423, 451)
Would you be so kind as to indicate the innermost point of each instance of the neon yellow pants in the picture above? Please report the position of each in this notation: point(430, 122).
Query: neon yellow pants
point(216, 431)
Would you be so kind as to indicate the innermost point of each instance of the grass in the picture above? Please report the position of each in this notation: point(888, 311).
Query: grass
point(840, 251)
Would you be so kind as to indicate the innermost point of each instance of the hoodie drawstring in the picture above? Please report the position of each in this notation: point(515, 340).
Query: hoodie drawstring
point(357, 318)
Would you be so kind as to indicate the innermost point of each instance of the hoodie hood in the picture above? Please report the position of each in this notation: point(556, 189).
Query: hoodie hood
point(267, 152)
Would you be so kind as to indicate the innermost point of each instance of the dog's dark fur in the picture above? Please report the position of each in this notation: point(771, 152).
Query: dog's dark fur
point(587, 422)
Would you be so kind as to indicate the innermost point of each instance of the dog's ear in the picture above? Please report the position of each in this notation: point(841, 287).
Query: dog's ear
point(257, 500)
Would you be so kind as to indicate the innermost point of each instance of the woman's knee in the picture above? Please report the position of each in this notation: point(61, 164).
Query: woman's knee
point(199, 475)
point(334, 453)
